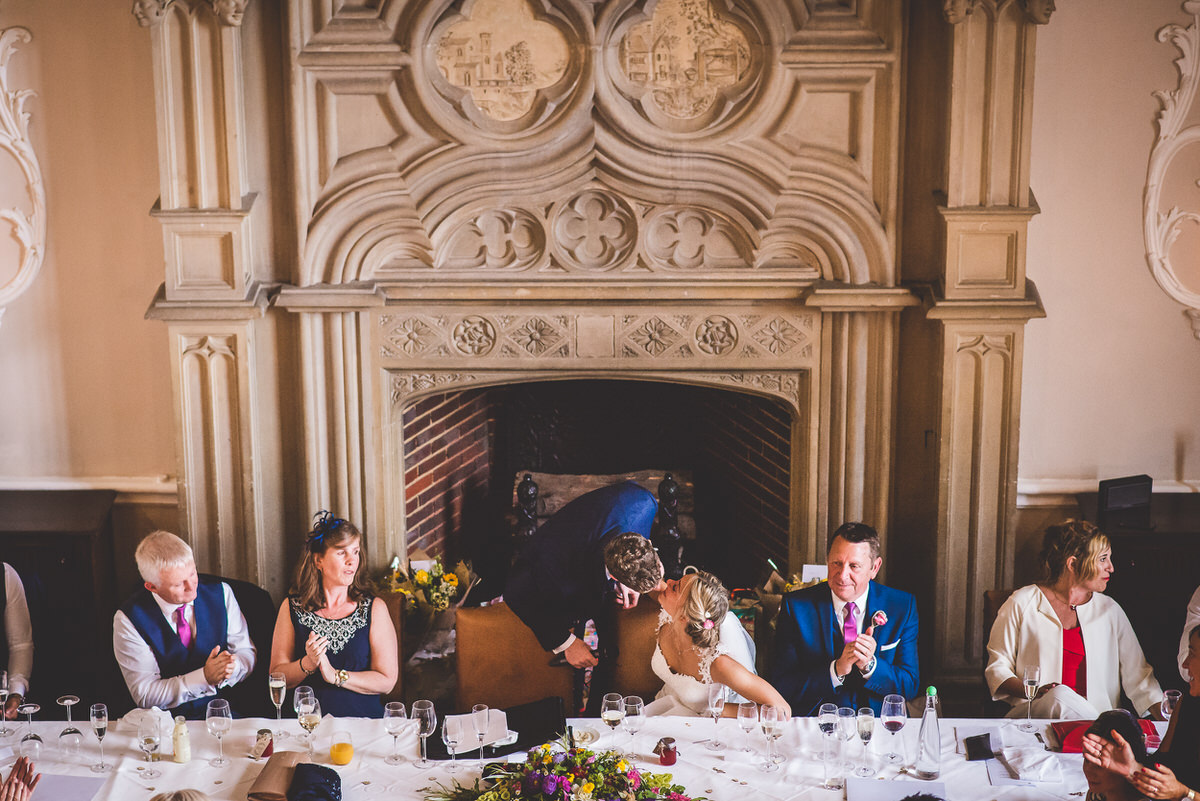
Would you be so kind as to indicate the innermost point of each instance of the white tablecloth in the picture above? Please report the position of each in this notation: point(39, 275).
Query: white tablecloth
point(728, 775)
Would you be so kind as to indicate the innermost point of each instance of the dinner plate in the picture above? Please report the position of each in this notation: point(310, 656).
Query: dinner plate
point(585, 735)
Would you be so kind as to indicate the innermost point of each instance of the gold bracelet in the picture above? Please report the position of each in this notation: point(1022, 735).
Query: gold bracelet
point(301, 662)
point(342, 678)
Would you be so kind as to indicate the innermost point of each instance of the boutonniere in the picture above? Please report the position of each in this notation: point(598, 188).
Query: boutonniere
point(879, 618)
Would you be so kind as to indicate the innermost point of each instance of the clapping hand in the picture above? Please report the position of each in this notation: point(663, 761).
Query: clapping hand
point(218, 668)
point(315, 647)
point(20, 783)
point(1158, 782)
point(1113, 755)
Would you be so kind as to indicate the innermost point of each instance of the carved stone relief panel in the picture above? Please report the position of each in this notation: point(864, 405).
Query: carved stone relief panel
point(582, 339)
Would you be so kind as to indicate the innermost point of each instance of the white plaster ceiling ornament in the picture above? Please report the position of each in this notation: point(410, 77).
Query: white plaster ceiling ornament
point(28, 229)
point(1161, 227)
point(151, 12)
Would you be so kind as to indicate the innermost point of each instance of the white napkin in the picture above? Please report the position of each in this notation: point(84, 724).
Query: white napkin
point(497, 729)
point(1034, 764)
point(133, 719)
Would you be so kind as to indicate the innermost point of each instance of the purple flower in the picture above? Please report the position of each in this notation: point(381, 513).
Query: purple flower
point(532, 782)
point(549, 785)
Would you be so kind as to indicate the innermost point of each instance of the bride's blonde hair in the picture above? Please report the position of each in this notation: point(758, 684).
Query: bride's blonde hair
point(704, 606)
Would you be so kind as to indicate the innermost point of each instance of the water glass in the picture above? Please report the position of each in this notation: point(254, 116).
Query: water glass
point(747, 718)
point(219, 721)
point(31, 743)
point(634, 717)
point(847, 728)
point(716, 705)
point(831, 758)
point(480, 718)
point(827, 718)
point(70, 737)
point(452, 736)
point(149, 739)
point(394, 719)
point(611, 713)
point(426, 717)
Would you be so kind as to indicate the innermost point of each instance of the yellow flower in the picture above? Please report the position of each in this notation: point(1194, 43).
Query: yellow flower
point(587, 788)
point(621, 766)
point(450, 579)
point(422, 577)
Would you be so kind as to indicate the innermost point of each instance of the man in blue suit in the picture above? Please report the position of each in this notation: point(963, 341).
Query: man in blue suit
point(559, 581)
point(829, 643)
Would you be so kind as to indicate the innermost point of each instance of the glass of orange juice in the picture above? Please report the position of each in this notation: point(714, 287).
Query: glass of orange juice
point(341, 748)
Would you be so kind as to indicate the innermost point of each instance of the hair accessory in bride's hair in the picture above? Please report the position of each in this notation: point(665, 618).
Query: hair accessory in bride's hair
point(708, 623)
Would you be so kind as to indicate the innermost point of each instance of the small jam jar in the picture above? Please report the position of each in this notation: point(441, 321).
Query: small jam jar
point(666, 751)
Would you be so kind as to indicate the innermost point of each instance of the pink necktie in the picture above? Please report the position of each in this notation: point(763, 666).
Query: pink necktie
point(850, 628)
point(181, 625)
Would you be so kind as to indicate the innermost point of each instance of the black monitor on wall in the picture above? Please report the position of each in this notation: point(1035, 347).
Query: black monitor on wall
point(1124, 503)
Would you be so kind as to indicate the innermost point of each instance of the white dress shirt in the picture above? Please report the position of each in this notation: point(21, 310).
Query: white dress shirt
point(839, 615)
point(19, 633)
point(1193, 620)
point(140, 667)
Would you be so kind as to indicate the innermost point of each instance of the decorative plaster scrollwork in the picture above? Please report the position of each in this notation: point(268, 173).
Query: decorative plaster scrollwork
point(405, 384)
point(1162, 227)
point(28, 229)
point(691, 238)
point(595, 230)
point(785, 385)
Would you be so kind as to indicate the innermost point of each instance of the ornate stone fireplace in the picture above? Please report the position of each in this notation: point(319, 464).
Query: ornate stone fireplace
point(410, 198)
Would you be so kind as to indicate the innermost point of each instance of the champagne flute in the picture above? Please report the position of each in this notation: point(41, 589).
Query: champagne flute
point(31, 743)
point(4, 730)
point(611, 714)
point(771, 719)
point(310, 718)
point(452, 734)
point(632, 709)
point(747, 718)
point(1032, 676)
point(480, 718)
point(277, 687)
point(394, 719)
point(847, 727)
point(893, 714)
point(716, 705)
point(866, 727)
point(149, 739)
point(298, 696)
point(1170, 703)
point(426, 718)
point(827, 718)
point(99, 714)
point(70, 737)
point(219, 721)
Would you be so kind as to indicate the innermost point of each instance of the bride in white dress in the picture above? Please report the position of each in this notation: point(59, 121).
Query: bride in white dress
point(700, 641)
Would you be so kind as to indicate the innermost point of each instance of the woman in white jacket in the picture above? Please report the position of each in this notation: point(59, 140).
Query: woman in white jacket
point(1079, 637)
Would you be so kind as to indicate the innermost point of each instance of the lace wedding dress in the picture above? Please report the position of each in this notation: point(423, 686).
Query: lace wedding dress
point(685, 695)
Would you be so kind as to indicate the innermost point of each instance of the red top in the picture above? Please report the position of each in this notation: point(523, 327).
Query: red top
point(1074, 673)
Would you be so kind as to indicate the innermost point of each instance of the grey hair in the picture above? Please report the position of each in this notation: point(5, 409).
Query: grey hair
point(182, 795)
point(158, 551)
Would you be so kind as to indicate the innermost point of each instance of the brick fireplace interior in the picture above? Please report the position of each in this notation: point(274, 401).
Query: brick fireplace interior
point(465, 447)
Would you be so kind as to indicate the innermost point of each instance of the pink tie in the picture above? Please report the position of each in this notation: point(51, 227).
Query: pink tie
point(181, 625)
point(850, 628)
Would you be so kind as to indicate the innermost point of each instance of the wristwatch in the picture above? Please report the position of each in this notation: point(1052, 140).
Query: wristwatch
point(342, 678)
point(1191, 796)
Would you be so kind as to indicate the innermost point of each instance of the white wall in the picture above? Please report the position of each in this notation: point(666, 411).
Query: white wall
point(1112, 375)
point(85, 393)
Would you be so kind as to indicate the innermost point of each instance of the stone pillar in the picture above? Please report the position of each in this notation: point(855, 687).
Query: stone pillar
point(980, 305)
point(221, 341)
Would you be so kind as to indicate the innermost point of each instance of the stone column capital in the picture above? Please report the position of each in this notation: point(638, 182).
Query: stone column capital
point(151, 12)
point(1038, 11)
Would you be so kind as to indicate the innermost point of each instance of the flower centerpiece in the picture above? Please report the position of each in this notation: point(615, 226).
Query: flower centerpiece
point(554, 772)
point(431, 588)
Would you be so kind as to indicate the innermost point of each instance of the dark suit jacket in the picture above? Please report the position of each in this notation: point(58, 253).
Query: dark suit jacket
point(808, 639)
point(559, 578)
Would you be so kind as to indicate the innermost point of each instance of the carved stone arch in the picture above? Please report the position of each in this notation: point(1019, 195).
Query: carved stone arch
point(362, 232)
point(472, 110)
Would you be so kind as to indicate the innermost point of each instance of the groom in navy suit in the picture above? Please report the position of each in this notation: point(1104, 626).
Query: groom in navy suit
point(831, 644)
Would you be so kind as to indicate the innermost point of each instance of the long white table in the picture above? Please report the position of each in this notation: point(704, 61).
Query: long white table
point(727, 775)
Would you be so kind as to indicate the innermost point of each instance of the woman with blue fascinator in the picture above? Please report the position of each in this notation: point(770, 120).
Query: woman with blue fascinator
point(332, 633)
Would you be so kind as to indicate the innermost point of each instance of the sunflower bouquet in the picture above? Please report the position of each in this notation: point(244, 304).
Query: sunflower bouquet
point(553, 772)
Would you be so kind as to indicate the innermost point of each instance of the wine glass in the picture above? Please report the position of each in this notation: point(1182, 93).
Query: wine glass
point(70, 737)
point(302, 692)
point(716, 705)
point(426, 718)
point(277, 687)
point(4, 730)
point(31, 743)
point(149, 739)
point(747, 718)
point(480, 718)
point(99, 715)
point(847, 727)
point(219, 722)
point(771, 720)
point(632, 708)
point(866, 727)
point(1033, 675)
point(452, 736)
point(827, 718)
point(394, 719)
point(611, 713)
point(893, 714)
point(1170, 703)
point(309, 713)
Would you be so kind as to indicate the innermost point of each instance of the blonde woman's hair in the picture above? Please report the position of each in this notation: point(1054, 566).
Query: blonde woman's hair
point(1077, 538)
point(705, 603)
point(182, 795)
point(159, 551)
